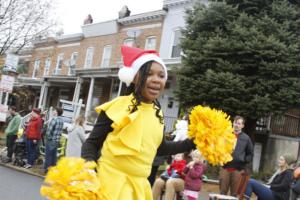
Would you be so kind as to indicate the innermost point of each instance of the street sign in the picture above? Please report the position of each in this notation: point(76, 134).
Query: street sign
point(7, 83)
point(3, 112)
point(11, 63)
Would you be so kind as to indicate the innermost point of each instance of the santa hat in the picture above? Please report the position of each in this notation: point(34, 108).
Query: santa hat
point(133, 59)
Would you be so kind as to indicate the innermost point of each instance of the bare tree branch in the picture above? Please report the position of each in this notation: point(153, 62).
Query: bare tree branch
point(21, 21)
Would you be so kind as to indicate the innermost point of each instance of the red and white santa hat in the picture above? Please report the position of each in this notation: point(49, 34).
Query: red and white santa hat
point(133, 60)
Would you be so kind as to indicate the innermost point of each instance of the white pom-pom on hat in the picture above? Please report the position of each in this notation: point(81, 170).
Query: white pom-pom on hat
point(133, 59)
point(126, 75)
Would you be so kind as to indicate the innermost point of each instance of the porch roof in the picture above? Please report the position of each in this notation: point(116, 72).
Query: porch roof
point(26, 81)
point(60, 79)
point(98, 72)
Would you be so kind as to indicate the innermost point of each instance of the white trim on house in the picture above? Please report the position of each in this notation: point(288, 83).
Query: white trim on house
point(25, 56)
point(68, 45)
point(44, 48)
point(143, 27)
point(173, 3)
point(144, 17)
point(69, 38)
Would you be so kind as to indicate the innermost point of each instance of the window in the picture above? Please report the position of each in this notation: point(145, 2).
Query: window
point(129, 42)
point(150, 43)
point(36, 68)
point(89, 57)
point(176, 50)
point(72, 64)
point(59, 63)
point(106, 56)
point(47, 66)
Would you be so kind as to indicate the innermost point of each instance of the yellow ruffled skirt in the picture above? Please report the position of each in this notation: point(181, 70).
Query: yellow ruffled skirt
point(121, 186)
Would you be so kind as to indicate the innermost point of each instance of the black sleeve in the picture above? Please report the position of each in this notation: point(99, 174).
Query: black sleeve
point(249, 151)
point(284, 185)
point(171, 148)
point(92, 146)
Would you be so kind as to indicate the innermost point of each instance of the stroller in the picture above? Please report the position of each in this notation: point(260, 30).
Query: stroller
point(20, 152)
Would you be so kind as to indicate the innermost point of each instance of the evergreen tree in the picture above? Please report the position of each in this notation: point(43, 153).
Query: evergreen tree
point(242, 56)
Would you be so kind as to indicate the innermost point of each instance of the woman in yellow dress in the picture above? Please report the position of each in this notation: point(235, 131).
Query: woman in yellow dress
point(129, 129)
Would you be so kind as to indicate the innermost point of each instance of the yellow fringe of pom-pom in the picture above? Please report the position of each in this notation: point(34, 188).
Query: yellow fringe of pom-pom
point(73, 179)
point(213, 135)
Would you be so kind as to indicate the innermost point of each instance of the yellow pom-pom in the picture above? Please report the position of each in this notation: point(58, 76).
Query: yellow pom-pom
point(73, 178)
point(212, 133)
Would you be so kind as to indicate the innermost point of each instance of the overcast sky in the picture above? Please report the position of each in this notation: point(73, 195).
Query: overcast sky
point(71, 13)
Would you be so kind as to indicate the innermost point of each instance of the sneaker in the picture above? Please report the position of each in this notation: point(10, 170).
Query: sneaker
point(7, 160)
point(27, 166)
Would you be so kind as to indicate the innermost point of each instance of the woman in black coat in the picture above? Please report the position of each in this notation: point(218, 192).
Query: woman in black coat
point(279, 188)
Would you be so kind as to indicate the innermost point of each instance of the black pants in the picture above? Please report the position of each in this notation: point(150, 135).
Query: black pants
point(10, 144)
point(152, 176)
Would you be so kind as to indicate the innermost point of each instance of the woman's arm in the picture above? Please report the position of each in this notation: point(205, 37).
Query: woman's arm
point(171, 148)
point(93, 144)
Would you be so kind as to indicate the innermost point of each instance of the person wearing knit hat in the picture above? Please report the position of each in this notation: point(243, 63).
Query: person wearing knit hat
point(280, 182)
point(33, 134)
point(129, 129)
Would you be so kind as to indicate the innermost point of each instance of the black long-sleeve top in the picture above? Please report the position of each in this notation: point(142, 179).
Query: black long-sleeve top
point(93, 144)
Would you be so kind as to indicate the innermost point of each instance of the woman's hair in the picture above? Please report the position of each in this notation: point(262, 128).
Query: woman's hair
point(80, 120)
point(288, 159)
point(137, 88)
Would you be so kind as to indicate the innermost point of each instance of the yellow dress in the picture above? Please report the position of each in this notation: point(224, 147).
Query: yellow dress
point(128, 151)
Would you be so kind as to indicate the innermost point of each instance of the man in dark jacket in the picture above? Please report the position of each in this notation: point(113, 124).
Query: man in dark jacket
point(242, 155)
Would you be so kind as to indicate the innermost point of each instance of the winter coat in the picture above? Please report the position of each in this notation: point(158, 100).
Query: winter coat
point(280, 185)
point(34, 128)
point(13, 124)
point(242, 154)
point(76, 137)
point(193, 176)
point(178, 166)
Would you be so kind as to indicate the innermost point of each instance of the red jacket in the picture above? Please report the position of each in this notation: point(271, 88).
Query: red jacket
point(178, 166)
point(34, 128)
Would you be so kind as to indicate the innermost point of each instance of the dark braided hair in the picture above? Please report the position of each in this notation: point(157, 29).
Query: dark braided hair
point(137, 88)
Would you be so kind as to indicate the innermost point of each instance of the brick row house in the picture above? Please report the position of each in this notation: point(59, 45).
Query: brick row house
point(85, 65)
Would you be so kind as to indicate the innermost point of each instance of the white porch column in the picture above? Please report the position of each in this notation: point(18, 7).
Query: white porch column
point(42, 95)
point(120, 88)
point(45, 97)
point(77, 90)
point(6, 98)
point(89, 100)
point(1, 97)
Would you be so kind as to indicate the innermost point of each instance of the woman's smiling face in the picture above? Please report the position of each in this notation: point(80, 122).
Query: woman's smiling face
point(155, 83)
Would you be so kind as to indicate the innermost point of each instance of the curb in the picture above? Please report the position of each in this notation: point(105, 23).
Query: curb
point(22, 170)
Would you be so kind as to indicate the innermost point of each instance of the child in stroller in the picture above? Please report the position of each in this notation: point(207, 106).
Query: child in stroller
point(20, 152)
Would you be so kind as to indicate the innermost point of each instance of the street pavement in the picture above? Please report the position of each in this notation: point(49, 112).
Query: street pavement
point(15, 185)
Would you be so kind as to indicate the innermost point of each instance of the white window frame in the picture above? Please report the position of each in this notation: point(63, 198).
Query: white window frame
point(129, 42)
point(59, 63)
point(147, 47)
point(36, 67)
point(89, 57)
point(172, 44)
point(47, 66)
point(107, 50)
point(73, 60)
